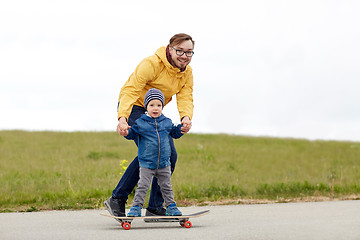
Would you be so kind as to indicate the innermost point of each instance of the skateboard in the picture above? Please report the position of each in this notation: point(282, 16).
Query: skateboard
point(183, 220)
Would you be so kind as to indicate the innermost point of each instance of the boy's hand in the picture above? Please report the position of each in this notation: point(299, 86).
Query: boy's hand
point(186, 125)
point(122, 127)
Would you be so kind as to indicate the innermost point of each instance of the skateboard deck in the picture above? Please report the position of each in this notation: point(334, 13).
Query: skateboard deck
point(183, 220)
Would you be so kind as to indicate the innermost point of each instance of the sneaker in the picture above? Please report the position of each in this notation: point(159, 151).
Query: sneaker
point(116, 207)
point(172, 210)
point(155, 212)
point(134, 212)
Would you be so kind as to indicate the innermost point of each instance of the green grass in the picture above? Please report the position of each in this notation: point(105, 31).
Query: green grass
point(78, 170)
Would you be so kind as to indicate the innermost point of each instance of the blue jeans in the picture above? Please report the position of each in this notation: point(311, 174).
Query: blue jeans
point(131, 176)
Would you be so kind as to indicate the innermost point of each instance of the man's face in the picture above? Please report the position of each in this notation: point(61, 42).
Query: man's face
point(183, 60)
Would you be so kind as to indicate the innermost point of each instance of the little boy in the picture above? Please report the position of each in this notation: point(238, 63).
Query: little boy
point(153, 131)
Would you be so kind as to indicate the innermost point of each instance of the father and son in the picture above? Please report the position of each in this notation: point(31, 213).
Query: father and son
point(142, 98)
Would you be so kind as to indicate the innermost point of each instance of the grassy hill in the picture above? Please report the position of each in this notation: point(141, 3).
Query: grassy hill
point(77, 170)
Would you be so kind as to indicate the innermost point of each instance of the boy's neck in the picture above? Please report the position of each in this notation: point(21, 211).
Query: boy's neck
point(147, 114)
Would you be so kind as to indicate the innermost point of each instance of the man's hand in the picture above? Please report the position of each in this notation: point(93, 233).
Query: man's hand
point(186, 125)
point(122, 127)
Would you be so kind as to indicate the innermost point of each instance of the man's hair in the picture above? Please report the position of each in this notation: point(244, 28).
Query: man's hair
point(179, 38)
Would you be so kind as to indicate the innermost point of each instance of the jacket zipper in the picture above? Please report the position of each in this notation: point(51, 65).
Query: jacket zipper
point(157, 132)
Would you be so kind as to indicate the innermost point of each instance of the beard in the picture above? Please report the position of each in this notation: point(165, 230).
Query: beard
point(180, 63)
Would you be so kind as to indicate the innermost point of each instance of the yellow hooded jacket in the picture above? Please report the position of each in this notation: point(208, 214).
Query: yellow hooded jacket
point(156, 72)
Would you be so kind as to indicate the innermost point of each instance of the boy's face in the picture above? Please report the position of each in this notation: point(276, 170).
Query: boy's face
point(154, 108)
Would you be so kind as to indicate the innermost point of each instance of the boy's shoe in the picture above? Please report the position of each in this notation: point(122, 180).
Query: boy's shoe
point(116, 207)
point(134, 212)
point(172, 210)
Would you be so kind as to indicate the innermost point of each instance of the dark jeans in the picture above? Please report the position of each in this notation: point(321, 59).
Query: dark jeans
point(131, 176)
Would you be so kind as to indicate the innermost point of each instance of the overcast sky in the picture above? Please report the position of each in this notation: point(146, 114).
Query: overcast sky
point(261, 68)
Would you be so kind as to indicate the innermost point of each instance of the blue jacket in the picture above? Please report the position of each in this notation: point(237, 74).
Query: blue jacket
point(153, 134)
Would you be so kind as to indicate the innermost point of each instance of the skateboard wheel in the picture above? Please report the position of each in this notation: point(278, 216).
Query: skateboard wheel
point(126, 225)
point(182, 223)
point(187, 224)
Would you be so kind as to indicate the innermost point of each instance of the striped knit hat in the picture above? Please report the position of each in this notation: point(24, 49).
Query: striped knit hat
point(152, 94)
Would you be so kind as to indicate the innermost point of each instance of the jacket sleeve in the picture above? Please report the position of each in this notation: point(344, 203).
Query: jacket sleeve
point(184, 98)
point(133, 87)
point(133, 132)
point(176, 131)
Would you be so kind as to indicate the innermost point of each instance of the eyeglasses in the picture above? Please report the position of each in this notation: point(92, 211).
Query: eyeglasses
point(181, 52)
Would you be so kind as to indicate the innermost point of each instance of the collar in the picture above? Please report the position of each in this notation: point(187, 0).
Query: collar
point(147, 114)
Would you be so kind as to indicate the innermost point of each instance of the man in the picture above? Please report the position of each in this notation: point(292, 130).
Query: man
point(168, 71)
